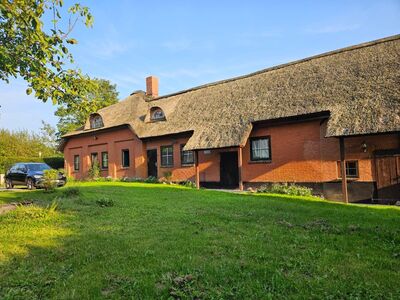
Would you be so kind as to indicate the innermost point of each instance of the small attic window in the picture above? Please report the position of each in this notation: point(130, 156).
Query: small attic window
point(156, 114)
point(96, 121)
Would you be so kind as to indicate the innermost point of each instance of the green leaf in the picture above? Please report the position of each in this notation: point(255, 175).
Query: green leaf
point(72, 41)
point(29, 91)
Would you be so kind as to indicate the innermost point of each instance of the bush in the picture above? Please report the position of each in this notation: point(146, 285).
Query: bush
point(105, 202)
point(71, 192)
point(287, 189)
point(104, 179)
point(188, 183)
point(168, 177)
point(49, 180)
point(56, 162)
point(151, 179)
point(94, 171)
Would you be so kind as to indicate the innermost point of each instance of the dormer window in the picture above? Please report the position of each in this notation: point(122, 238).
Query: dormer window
point(96, 121)
point(157, 114)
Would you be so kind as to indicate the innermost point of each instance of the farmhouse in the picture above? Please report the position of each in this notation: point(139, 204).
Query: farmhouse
point(331, 122)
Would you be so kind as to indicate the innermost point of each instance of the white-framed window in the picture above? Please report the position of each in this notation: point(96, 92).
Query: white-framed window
point(96, 121)
point(157, 114)
point(260, 148)
point(187, 157)
point(167, 156)
point(76, 162)
point(104, 160)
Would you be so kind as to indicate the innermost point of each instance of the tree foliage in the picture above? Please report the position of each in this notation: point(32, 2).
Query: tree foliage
point(38, 53)
point(16, 146)
point(73, 115)
point(48, 135)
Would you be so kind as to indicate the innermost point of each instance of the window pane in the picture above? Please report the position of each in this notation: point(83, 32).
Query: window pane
point(352, 168)
point(167, 156)
point(104, 160)
point(76, 162)
point(260, 149)
point(125, 158)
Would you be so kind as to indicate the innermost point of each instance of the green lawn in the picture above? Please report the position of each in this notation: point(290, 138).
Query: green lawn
point(160, 241)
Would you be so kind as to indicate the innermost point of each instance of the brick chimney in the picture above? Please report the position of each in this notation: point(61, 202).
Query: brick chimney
point(152, 86)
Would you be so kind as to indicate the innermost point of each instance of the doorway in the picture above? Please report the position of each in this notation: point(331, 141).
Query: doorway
point(152, 163)
point(229, 170)
point(387, 165)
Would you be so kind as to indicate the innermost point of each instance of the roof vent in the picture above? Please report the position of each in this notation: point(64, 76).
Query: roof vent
point(152, 86)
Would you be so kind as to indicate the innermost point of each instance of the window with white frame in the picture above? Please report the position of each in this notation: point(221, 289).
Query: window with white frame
point(260, 148)
point(187, 157)
point(167, 156)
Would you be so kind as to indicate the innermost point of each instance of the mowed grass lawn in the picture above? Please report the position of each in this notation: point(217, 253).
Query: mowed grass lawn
point(161, 241)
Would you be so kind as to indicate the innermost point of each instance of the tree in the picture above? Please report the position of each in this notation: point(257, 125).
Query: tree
point(73, 115)
point(38, 55)
point(17, 146)
point(49, 136)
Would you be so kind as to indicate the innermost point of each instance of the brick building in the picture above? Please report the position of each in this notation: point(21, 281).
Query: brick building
point(331, 122)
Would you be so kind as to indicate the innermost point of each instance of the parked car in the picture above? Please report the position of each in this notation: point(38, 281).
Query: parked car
point(30, 174)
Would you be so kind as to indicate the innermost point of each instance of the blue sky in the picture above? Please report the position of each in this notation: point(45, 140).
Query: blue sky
point(188, 43)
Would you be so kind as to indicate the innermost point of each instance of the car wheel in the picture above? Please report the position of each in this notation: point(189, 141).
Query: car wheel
point(29, 184)
point(9, 184)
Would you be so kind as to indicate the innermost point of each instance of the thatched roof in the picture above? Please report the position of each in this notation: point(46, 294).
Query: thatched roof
point(359, 86)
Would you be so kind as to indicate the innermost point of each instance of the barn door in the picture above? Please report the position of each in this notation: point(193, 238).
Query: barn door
point(388, 176)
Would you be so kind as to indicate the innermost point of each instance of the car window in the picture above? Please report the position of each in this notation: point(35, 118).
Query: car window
point(38, 167)
point(21, 167)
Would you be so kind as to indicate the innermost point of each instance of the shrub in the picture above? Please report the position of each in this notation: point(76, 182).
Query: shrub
point(71, 192)
point(94, 171)
point(188, 183)
point(103, 179)
point(168, 177)
point(151, 179)
point(105, 202)
point(56, 162)
point(49, 180)
point(287, 189)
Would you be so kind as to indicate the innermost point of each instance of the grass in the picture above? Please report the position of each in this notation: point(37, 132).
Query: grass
point(159, 241)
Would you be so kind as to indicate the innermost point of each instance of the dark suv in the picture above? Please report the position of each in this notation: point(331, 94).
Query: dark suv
point(29, 174)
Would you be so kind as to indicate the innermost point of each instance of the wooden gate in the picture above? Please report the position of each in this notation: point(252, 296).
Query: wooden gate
point(387, 166)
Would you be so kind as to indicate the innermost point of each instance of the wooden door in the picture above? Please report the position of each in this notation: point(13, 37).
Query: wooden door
point(388, 177)
point(152, 163)
point(229, 170)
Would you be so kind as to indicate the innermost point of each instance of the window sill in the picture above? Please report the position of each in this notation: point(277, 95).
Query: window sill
point(349, 178)
point(124, 168)
point(187, 165)
point(267, 161)
point(167, 167)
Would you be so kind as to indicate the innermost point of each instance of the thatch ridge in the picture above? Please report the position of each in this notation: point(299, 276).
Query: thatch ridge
point(333, 52)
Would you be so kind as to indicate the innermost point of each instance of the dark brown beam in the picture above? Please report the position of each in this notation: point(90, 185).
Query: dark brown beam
point(343, 170)
point(196, 159)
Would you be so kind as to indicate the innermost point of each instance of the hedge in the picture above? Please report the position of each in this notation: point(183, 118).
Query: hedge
point(56, 162)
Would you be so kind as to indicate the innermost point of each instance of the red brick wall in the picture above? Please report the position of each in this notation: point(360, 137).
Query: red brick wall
point(300, 153)
point(113, 142)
